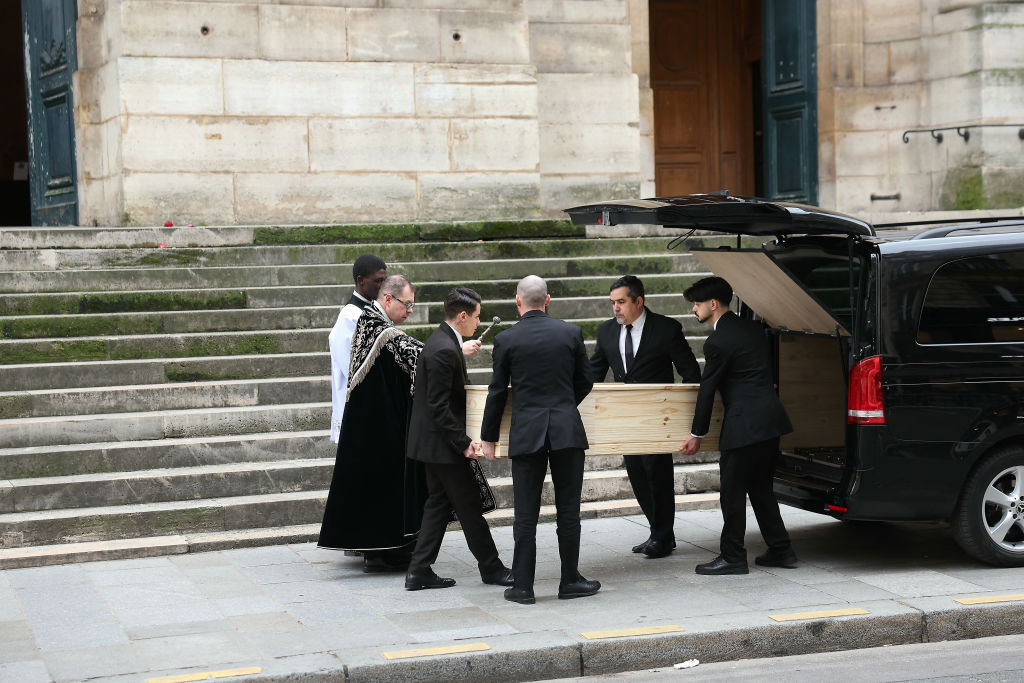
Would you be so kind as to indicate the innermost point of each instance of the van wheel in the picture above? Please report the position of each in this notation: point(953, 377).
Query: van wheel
point(989, 519)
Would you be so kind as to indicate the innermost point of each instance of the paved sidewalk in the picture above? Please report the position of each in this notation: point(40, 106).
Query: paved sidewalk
point(301, 614)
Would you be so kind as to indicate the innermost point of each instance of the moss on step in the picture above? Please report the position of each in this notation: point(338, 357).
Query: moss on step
point(18, 405)
point(55, 352)
point(84, 326)
point(124, 302)
point(410, 232)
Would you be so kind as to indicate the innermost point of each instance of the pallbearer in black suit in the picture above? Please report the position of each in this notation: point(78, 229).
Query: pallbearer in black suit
point(737, 363)
point(641, 347)
point(437, 437)
point(545, 361)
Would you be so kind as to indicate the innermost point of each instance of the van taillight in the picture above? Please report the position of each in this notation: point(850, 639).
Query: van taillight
point(864, 404)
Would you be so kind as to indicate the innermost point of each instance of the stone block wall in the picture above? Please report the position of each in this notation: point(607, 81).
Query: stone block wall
point(886, 66)
point(255, 111)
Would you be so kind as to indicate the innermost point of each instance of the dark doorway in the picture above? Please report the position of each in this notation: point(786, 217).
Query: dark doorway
point(14, 192)
point(705, 55)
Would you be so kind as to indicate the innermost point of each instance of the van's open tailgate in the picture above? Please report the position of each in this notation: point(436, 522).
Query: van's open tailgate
point(770, 291)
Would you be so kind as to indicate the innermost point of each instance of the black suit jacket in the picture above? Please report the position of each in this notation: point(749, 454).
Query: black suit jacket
point(737, 362)
point(437, 426)
point(546, 363)
point(357, 302)
point(662, 345)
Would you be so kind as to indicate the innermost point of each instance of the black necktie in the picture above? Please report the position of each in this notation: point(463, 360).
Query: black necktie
point(629, 347)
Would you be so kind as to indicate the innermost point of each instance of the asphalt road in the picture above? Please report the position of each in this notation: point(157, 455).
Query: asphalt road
point(985, 659)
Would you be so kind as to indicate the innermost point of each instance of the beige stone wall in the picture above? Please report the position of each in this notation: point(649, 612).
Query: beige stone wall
point(255, 111)
point(97, 113)
point(886, 66)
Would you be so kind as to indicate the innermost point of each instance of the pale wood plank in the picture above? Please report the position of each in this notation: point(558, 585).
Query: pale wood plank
point(620, 419)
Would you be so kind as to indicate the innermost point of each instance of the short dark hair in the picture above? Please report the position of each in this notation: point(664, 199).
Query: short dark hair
point(367, 265)
point(709, 288)
point(460, 299)
point(634, 286)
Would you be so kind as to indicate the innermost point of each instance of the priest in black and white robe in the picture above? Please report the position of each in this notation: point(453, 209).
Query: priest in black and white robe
point(376, 499)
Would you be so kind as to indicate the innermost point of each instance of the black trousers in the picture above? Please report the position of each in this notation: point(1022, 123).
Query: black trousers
point(747, 471)
point(453, 487)
point(527, 483)
point(653, 480)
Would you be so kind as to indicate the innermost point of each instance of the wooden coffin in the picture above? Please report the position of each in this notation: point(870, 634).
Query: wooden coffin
point(621, 419)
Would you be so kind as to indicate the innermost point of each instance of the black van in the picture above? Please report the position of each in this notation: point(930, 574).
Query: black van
point(900, 358)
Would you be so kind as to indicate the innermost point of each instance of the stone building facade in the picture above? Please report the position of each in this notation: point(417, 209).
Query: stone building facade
point(311, 111)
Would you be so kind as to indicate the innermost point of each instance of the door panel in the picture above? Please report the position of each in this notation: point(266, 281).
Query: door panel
point(701, 76)
point(49, 26)
point(790, 101)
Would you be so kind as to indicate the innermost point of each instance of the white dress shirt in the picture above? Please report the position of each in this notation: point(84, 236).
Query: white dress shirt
point(638, 329)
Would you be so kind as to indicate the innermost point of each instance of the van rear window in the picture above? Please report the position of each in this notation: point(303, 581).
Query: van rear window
point(975, 300)
point(822, 267)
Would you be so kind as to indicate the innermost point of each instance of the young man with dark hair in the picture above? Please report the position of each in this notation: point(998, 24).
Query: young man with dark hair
point(437, 438)
point(641, 347)
point(737, 363)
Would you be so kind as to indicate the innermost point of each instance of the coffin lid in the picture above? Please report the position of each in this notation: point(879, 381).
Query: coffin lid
point(721, 213)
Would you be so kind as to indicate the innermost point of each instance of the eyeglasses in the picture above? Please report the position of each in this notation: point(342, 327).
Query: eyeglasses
point(408, 306)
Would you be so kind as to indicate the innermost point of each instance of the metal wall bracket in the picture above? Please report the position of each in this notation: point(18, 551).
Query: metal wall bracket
point(962, 131)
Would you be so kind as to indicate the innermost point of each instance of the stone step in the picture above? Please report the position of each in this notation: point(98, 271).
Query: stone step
point(99, 238)
point(192, 257)
point(169, 484)
point(129, 456)
point(287, 318)
point(198, 344)
point(181, 543)
point(161, 513)
point(162, 424)
point(131, 279)
point(498, 290)
point(83, 491)
point(39, 376)
point(162, 397)
point(205, 236)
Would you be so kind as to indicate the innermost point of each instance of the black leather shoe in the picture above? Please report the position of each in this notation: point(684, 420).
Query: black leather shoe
point(498, 577)
point(656, 549)
point(524, 596)
point(641, 547)
point(786, 559)
point(375, 564)
point(417, 581)
point(579, 588)
point(720, 565)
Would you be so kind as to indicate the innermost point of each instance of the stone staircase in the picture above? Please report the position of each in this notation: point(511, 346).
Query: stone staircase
point(165, 400)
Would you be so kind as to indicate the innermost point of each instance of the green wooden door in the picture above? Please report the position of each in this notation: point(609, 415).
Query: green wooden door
point(49, 29)
point(790, 92)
